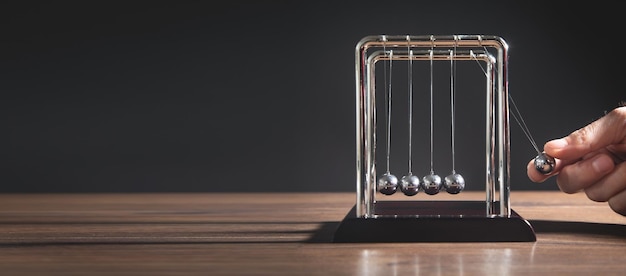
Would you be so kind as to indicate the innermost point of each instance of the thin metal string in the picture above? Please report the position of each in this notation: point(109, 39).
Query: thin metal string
point(410, 76)
point(389, 109)
point(432, 170)
point(520, 121)
point(517, 115)
point(386, 98)
point(452, 95)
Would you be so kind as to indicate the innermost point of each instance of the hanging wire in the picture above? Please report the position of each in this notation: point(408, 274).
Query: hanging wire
point(452, 95)
point(432, 170)
point(389, 109)
point(517, 115)
point(410, 76)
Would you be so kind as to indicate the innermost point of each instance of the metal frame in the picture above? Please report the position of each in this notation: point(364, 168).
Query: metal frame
point(497, 157)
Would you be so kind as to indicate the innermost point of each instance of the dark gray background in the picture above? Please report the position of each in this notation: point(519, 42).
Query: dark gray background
point(101, 96)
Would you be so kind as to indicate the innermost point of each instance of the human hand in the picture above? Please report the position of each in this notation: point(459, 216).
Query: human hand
point(591, 159)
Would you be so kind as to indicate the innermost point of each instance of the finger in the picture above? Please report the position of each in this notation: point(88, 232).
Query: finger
point(533, 174)
point(618, 203)
point(599, 134)
point(584, 173)
point(609, 186)
point(619, 151)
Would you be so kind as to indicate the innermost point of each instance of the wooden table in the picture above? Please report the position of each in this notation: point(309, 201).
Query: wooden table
point(284, 234)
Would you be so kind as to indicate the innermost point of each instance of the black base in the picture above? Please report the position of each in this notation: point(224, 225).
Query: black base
point(444, 221)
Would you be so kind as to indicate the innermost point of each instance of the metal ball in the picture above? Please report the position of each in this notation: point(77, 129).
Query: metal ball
point(410, 184)
point(544, 163)
point(454, 183)
point(387, 184)
point(431, 184)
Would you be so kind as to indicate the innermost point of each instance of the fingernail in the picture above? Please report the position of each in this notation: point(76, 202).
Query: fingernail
point(557, 144)
point(602, 164)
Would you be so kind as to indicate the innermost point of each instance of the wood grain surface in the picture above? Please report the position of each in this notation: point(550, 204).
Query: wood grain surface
point(284, 234)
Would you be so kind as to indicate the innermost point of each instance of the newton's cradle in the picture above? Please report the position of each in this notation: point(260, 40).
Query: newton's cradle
point(378, 215)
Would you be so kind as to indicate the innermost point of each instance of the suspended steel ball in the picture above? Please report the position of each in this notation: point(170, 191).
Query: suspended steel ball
point(410, 184)
point(544, 163)
point(431, 184)
point(387, 184)
point(454, 183)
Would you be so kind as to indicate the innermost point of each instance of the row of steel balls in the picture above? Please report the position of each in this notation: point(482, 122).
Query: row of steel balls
point(410, 184)
point(431, 184)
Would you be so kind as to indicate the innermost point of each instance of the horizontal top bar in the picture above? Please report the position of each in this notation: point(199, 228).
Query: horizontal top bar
point(434, 55)
point(432, 41)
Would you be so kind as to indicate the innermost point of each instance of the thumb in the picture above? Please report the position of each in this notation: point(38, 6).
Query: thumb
point(608, 130)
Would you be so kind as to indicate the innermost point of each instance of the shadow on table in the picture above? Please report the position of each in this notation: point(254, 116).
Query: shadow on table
point(574, 227)
point(326, 231)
